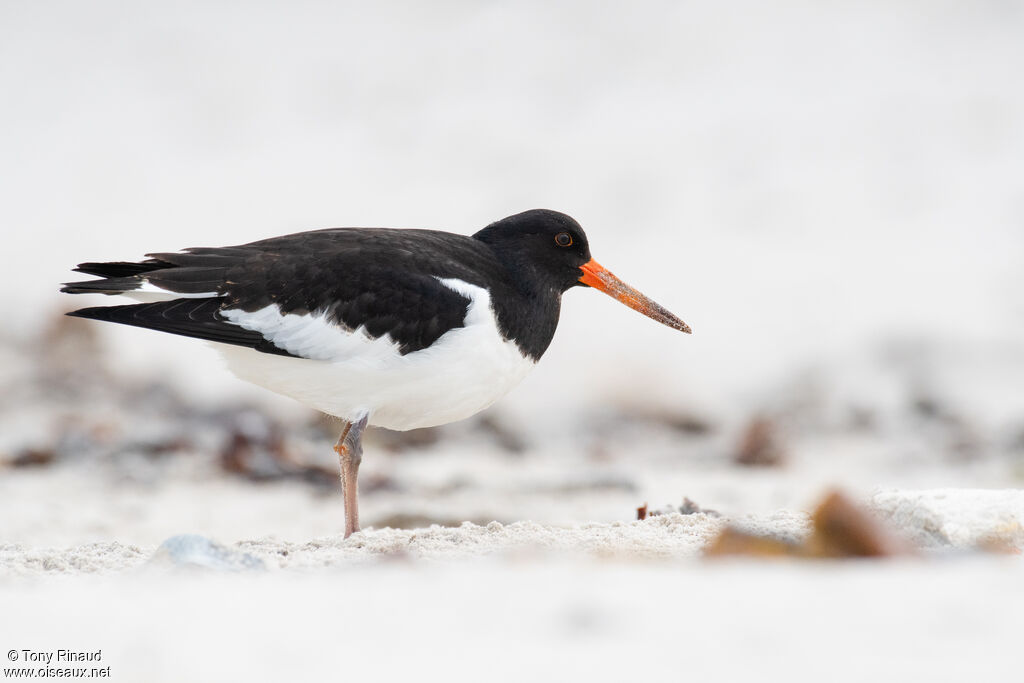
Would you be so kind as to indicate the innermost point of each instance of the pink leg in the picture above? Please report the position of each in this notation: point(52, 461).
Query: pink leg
point(350, 452)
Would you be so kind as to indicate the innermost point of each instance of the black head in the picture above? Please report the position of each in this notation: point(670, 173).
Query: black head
point(546, 251)
point(543, 249)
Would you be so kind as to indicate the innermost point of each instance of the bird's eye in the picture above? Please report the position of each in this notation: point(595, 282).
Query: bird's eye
point(563, 239)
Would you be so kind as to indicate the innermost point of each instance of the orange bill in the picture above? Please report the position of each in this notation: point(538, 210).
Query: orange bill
point(595, 275)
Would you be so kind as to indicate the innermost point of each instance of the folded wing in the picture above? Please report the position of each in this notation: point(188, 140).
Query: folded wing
point(319, 294)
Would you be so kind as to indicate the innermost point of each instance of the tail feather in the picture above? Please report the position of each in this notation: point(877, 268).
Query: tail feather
point(198, 318)
point(185, 274)
point(192, 280)
point(120, 268)
point(111, 286)
point(189, 280)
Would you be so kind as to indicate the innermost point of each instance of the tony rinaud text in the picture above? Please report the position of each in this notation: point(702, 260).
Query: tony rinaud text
point(60, 656)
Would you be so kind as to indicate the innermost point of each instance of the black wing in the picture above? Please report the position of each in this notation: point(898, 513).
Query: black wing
point(199, 318)
point(384, 281)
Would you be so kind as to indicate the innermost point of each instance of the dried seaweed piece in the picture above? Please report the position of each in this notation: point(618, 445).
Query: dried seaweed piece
point(844, 529)
point(760, 444)
point(256, 450)
point(682, 421)
point(398, 442)
point(690, 508)
point(414, 520)
point(32, 457)
point(840, 529)
point(687, 508)
point(732, 541)
point(508, 439)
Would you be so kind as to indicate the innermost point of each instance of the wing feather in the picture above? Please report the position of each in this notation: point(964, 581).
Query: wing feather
point(305, 294)
point(198, 318)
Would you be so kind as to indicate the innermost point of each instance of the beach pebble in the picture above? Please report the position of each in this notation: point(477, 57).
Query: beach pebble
point(193, 550)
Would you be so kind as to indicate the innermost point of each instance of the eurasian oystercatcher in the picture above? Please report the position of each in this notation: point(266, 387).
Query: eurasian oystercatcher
point(396, 328)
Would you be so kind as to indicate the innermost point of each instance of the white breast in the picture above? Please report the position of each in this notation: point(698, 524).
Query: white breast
point(349, 374)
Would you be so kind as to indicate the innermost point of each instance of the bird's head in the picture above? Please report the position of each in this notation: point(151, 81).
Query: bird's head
point(549, 250)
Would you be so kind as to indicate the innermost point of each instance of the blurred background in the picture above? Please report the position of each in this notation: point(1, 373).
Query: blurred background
point(831, 194)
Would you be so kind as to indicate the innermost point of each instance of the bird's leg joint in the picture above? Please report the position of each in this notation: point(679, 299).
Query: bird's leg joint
point(350, 445)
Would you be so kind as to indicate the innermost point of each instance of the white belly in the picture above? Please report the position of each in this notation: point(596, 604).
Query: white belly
point(464, 371)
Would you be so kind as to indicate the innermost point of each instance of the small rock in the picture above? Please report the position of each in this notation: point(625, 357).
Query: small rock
point(193, 550)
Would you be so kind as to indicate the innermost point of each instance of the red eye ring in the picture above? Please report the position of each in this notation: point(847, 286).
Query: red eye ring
point(563, 239)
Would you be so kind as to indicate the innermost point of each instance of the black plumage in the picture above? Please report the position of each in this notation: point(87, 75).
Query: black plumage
point(386, 281)
point(197, 318)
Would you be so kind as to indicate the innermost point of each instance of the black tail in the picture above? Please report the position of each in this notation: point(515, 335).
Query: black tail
point(197, 276)
point(112, 285)
point(195, 271)
point(199, 318)
point(119, 276)
point(121, 268)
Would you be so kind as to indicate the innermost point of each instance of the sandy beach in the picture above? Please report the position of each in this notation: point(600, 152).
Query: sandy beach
point(829, 194)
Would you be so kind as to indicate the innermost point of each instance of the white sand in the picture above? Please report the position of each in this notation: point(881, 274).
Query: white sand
point(604, 602)
point(951, 520)
point(955, 518)
point(608, 602)
point(608, 621)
